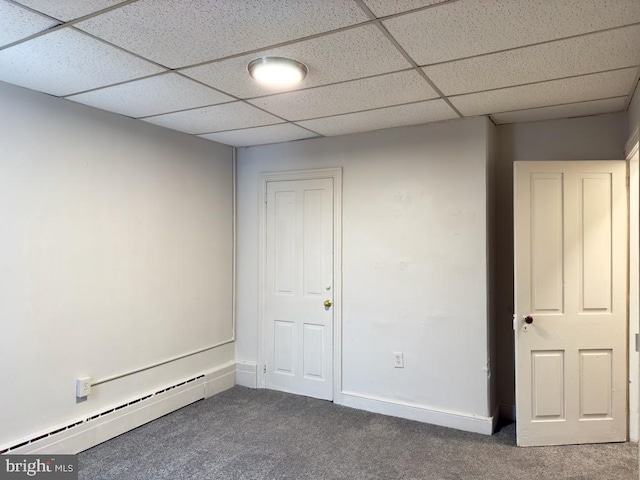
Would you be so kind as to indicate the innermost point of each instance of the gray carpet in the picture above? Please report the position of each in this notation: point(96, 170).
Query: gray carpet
point(261, 434)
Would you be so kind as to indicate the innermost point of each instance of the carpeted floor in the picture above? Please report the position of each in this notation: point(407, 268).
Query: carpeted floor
point(261, 434)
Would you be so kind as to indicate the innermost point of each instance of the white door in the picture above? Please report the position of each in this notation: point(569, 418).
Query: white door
point(298, 328)
point(570, 302)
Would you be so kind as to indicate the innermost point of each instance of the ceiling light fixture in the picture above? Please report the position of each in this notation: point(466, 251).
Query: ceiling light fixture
point(277, 70)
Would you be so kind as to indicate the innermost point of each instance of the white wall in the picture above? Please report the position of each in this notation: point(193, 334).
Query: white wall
point(115, 253)
point(634, 113)
point(599, 137)
point(414, 260)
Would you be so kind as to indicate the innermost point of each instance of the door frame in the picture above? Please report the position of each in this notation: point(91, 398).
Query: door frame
point(633, 191)
point(263, 179)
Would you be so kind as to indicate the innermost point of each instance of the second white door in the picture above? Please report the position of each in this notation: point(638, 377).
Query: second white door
point(571, 302)
point(299, 289)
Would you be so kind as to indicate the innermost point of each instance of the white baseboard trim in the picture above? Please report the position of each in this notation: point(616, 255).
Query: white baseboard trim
point(495, 418)
point(508, 411)
point(247, 374)
point(93, 431)
point(459, 421)
point(219, 379)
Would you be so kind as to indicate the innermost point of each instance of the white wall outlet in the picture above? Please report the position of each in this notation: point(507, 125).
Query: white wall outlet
point(83, 387)
point(398, 360)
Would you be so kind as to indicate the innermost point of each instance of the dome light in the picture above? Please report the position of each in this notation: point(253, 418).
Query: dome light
point(277, 71)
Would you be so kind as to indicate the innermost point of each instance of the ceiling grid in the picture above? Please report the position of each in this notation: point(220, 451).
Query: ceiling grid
point(372, 64)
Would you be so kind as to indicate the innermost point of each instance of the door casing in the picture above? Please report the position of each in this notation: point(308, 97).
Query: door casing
point(633, 185)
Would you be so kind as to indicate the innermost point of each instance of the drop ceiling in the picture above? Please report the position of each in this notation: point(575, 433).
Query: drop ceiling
point(373, 64)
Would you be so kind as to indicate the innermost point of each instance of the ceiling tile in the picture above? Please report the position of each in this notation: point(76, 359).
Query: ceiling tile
point(382, 8)
point(594, 107)
point(68, 9)
point(184, 33)
point(229, 116)
point(554, 92)
point(346, 55)
point(17, 23)
point(608, 50)
point(364, 94)
point(66, 61)
point(152, 96)
point(465, 28)
point(284, 132)
point(413, 114)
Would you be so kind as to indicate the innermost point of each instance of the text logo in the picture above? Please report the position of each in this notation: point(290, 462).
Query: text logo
point(49, 467)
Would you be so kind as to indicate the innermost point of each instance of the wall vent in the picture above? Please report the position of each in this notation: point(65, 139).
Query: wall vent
point(97, 415)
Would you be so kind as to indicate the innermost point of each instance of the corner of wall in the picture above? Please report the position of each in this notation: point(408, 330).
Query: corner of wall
point(219, 379)
point(633, 114)
point(247, 374)
point(492, 235)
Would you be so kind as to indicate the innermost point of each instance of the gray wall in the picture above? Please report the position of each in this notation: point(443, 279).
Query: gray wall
point(115, 253)
point(599, 137)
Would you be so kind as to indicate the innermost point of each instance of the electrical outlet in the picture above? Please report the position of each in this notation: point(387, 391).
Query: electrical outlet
point(398, 360)
point(83, 387)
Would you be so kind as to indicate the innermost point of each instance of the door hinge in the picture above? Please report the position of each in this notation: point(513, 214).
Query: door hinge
point(265, 197)
point(637, 342)
point(264, 369)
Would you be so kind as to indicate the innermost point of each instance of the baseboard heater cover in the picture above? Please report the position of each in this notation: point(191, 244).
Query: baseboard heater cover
point(91, 418)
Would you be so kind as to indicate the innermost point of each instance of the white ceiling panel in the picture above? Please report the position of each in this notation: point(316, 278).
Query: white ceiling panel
point(608, 50)
point(354, 53)
point(68, 9)
point(152, 96)
point(465, 28)
point(375, 92)
point(413, 114)
point(187, 32)
point(594, 107)
point(66, 61)
point(284, 132)
point(519, 60)
point(229, 116)
point(17, 23)
point(382, 8)
point(569, 90)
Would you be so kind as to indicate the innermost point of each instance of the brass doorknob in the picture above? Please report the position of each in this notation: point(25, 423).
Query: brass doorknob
point(528, 319)
point(327, 303)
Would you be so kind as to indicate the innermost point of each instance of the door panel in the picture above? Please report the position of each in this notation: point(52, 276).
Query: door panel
point(595, 242)
point(595, 384)
point(313, 349)
point(283, 347)
point(313, 261)
point(284, 242)
point(570, 280)
point(548, 385)
point(547, 249)
point(299, 278)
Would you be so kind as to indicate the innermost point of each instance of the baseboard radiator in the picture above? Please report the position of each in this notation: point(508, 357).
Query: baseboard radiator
point(126, 416)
